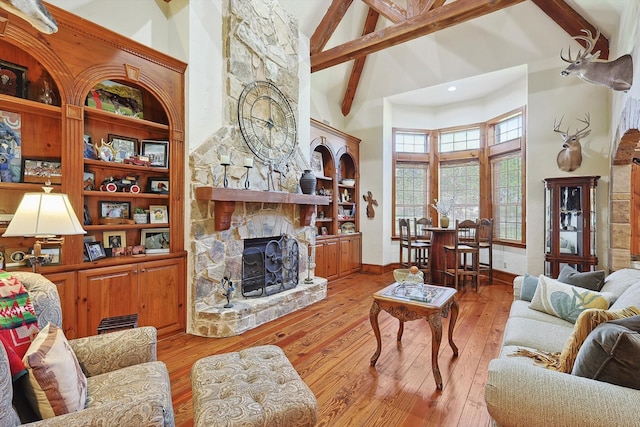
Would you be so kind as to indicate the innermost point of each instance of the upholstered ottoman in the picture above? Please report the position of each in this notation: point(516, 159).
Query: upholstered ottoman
point(257, 386)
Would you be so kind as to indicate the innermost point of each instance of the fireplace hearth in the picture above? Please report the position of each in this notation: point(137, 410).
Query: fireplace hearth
point(269, 265)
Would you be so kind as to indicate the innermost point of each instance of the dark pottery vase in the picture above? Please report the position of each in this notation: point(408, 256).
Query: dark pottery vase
point(308, 182)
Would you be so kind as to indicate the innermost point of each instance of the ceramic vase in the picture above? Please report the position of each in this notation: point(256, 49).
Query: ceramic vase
point(444, 222)
point(308, 182)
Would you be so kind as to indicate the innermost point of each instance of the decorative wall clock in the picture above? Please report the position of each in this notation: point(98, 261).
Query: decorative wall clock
point(267, 122)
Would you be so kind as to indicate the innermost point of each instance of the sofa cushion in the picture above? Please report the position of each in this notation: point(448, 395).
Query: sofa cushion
point(528, 288)
point(593, 280)
point(587, 322)
point(521, 309)
point(621, 280)
point(610, 353)
point(566, 301)
point(57, 385)
point(523, 332)
point(629, 297)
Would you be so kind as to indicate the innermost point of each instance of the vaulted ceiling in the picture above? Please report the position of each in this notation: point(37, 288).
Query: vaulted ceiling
point(389, 23)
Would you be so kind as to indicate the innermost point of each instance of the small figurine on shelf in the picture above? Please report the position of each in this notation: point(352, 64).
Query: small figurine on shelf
point(46, 95)
point(227, 286)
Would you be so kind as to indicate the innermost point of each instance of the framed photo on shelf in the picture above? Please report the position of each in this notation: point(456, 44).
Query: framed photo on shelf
point(115, 209)
point(159, 185)
point(114, 239)
point(15, 257)
point(13, 79)
point(155, 240)
point(116, 98)
point(11, 146)
point(38, 170)
point(95, 250)
point(89, 238)
point(158, 152)
point(317, 165)
point(54, 253)
point(123, 147)
point(158, 214)
point(89, 181)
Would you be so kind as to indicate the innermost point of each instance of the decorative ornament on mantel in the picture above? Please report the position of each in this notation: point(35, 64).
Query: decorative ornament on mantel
point(308, 182)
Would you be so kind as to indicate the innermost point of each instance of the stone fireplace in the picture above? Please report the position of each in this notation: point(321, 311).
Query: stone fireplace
point(261, 43)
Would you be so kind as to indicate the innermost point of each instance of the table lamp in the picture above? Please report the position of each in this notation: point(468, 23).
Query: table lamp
point(44, 216)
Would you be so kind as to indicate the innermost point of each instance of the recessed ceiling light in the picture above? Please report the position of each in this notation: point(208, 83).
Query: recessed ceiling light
point(451, 88)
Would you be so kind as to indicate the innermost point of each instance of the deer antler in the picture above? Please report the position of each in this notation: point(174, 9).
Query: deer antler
point(587, 122)
point(589, 40)
point(556, 128)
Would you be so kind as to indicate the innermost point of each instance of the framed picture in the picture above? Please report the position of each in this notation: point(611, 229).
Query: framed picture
point(158, 214)
point(38, 170)
point(138, 250)
point(114, 239)
point(86, 239)
point(317, 165)
point(54, 255)
point(324, 231)
point(10, 146)
point(95, 250)
point(157, 152)
point(2, 259)
point(115, 209)
point(159, 185)
point(123, 147)
point(89, 150)
point(116, 98)
point(89, 181)
point(155, 240)
point(15, 257)
point(13, 79)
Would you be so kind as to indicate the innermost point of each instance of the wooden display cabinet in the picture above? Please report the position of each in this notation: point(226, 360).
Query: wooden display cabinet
point(335, 160)
point(73, 61)
point(570, 223)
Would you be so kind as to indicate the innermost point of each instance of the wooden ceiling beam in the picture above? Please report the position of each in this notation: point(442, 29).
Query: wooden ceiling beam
point(418, 7)
point(434, 20)
point(573, 23)
point(358, 65)
point(388, 9)
point(328, 25)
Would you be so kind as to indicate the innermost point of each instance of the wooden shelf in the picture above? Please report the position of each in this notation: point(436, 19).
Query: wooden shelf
point(226, 199)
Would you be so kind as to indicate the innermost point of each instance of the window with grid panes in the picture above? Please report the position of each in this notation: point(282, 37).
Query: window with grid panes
point(460, 182)
point(506, 174)
point(508, 129)
point(411, 142)
point(460, 140)
point(412, 191)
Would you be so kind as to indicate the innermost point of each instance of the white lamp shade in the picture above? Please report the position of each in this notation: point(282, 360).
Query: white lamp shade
point(43, 215)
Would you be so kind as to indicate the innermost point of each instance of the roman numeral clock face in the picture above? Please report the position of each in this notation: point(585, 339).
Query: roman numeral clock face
point(267, 122)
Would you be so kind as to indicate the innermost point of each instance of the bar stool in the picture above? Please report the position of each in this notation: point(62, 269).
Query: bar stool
point(466, 243)
point(485, 241)
point(412, 247)
point(422, 235)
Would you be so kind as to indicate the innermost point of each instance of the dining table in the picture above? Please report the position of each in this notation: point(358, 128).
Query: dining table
point(440, 237)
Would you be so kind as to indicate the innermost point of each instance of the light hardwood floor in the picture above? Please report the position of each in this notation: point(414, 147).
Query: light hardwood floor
point(331, 343)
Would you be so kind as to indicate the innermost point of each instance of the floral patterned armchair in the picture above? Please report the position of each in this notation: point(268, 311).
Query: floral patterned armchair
point(125, 383)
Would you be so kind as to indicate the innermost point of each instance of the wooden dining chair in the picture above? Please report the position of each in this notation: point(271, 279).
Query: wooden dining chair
point(465, 244)
point(409, 245)
point(422, 235)
point(485, 241)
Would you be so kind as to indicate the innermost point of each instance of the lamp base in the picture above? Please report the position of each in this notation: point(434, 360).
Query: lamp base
point(37, 260)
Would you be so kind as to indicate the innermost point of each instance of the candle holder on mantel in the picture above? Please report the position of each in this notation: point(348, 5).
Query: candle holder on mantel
point(227, 286)
point(225, 180)
point(246, 180)
point(309, 252)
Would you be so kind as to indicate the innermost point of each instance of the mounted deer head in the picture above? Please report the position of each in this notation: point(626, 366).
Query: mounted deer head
point(34, 12)
point(616, 75)
point(570, 157)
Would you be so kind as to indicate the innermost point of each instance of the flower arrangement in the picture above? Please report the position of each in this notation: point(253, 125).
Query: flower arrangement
point(442, 207)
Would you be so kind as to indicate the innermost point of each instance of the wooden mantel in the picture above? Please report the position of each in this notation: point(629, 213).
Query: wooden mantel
point(225, 202)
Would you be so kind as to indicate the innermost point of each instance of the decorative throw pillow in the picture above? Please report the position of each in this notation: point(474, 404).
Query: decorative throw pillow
point(593, 280)
point(566, 301)
point(610, 353)
point(18, 322)
point(587, 322)
point(528, 287)
point(57, 384)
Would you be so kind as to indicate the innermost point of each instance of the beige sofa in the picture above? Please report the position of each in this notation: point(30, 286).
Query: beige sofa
point(126, 385)
point(519, 393)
